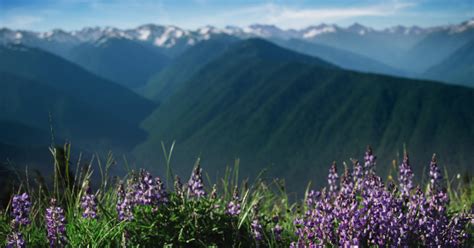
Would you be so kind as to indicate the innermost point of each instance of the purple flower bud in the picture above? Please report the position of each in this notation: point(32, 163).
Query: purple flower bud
point(358, 174)
point(256, 228)
point(435, 175)
point(88, 203)
point(124, 203)
point(233, 207)
point(405, 177)
point(21, 207)
point(311, 198)
point(333, 179)
point(213, 194)
point(369, 161)
point(195, 183)
point(277, 229)
point(178, 187)
point(15, 239)
point(56, 225)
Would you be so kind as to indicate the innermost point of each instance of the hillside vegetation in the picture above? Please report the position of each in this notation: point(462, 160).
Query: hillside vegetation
point(293, 114)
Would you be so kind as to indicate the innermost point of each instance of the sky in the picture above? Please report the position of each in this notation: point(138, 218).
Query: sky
point(44, 15)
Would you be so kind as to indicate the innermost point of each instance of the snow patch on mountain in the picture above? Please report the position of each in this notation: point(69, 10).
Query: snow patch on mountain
point(313, 32)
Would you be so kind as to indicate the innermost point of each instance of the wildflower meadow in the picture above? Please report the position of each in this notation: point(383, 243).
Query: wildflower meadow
point(357, 208)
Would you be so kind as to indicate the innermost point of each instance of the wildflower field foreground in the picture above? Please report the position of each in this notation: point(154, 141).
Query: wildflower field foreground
point(356, 208)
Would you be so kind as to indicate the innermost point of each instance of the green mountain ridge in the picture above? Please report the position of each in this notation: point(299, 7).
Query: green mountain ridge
point(31, 103)
point(120, 60)
point(345, 59)
point(457, 68)
point(436, 47)
point(165, 83)
point(62, 75)
point(295, 114)
point(41, 91)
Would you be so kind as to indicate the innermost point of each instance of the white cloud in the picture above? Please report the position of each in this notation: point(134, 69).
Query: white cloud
point(292, 17)
point(22, 21)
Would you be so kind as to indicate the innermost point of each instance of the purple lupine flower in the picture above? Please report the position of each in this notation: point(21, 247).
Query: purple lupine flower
point(311, 198)
point(381, 214)
point(161, 194)
point(436, 219)
point(405, 177)
point(277, 229)
point(145, 188)
point(15, 238)
point(455, 233)
point(375, 215)
point(21, 207)
point(195, 183)
point(435, 175)
point(213, 194)
point(256, 228)
point(88, 203)
point(319, 221)
point(150, 191)
point(56, 225)
point(178, 187)
point(345, 210)
point(369, 161)
point(415, 216)
point(233, 207)
point(333, 179)
point(358, 173)
point(124, 204)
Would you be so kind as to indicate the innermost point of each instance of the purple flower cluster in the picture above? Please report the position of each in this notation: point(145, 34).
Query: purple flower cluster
point(195, 183)
point(15, 239)
point(233, 207)
point(255, 226)
point(21, 207)
point(88, 203)
point(149, 191)
point(277, 230)
point(365, 212)
point(369, 161)
point(333, 179)
point(56, 225)
point(405, 176)
point(178, 187)
point(124, 203)
point(435, 175)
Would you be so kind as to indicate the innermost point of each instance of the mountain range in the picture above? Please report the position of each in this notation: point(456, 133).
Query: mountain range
point(399, 50)
point(290, 101)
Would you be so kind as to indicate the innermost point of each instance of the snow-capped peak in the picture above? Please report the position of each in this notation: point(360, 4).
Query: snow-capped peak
point(467, 25)
point(314, 31)
point(359, 29)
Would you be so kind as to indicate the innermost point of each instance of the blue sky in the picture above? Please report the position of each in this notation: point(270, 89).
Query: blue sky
point(42, 15)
